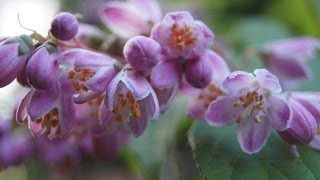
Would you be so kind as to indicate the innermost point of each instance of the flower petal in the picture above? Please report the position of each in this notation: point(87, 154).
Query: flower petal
point(222, 112)
point(42, 69)
point(138, 125)
point(166, 74)
point(288, 68)
point(253, 136)
point(166, 96)
point(22, 112)
point(237, 81)
point(302, 128)
point(137, 84)
point(220, 68)
point(124, 19)
point(268, 80)
point(279, 112)
point(67, 113)
point(42, 102)
point(150, 8)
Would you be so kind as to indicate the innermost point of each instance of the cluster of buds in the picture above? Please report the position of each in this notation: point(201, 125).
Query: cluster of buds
point(83, 100)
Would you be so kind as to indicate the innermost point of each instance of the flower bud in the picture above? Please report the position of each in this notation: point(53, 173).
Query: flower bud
point(141, 52)
point(198, 71)
point(303, 126)
point(13, 56)
point(42, 67)
point(64, 26)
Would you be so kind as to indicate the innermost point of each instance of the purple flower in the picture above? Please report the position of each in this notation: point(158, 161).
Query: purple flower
point(288, 58)
point(64, 26)
point(128, 19)
point(199, 99)
point(130, 102)
point(255, 103)
point(181, 36)
point(89, 72)
point(42, 67)
point(303, 126)
point(14, 149)
point(306, 129)
point(142, 53)
point(48, 111)
point(166, 76)
point(108, 146)
point(62, 155)
point(13, 56)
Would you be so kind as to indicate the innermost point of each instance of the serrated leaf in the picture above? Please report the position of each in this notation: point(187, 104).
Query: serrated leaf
point(218, 156)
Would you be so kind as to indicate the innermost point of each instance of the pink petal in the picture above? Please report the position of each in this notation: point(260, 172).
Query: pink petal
point(268, 80)
point(221, 69)
point(123, 19)
point(166, 96)
point(42, 102)
point(137, 84)
point(253, 136)
point(150, 8)
point(237, 81)
point(22, 112)
point(222, 112)
point(279, 112)
point(166, 74)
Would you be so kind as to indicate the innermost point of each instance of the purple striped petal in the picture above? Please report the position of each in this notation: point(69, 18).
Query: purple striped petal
point(42, 69)
point(123, 19)
point(166, 74)
point(279, 112)
point(253, 136)
point(137, 84)
point(237, 81)
point(267, 80)
point(222, 112)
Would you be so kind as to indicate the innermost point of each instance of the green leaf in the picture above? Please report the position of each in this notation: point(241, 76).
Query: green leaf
point(218, 156)
point(151, 148)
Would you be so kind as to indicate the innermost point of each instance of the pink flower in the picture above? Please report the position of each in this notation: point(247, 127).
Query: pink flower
point(181, 36)
point(255, 102)
point(130, 103)
point(288, 58)
point(131, 18)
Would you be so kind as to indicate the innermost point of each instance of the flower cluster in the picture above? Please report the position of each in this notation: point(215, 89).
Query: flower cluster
point(82, 100)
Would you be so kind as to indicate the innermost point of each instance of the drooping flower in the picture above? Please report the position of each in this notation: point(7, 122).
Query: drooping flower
point(89, 72)
point(131, 18)
point(199, 99)
point(130, 103)
point(255, 103)
point(166, 76)
point(181, 36)
point(49, 111)
point(64, 26)
point(288, 58)
point(13, 57)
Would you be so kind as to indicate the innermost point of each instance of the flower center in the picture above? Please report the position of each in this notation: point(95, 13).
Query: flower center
point(181, 37)
point(50, 120)
point(125, 107)
point(209, 94)
point(79, 77)
point(252, 103)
